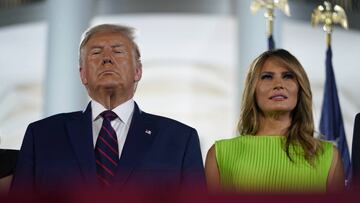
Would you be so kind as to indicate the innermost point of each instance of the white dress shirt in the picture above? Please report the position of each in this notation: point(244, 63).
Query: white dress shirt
point(121, 124)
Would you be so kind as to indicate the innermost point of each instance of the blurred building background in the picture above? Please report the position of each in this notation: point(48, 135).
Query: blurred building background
point(195, 54)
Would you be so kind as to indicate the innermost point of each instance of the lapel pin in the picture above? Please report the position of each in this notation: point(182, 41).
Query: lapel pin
point(148, 132)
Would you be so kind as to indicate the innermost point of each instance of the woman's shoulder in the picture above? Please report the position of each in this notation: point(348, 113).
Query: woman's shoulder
point(248, 138)
point(233, 140)
point(326, 145)
point(327, 149)
point(227, 143)
point(227, 140)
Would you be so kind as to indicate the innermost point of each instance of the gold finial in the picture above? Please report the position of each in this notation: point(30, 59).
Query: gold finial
point(329, 16)
point(270, 5)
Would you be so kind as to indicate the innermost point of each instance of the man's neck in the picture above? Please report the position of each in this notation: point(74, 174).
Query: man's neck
point(110, 100)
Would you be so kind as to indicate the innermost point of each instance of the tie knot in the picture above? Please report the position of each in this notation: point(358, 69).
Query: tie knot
point(108, 115)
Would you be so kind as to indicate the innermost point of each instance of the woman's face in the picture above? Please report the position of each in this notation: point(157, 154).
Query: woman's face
point(276, 89)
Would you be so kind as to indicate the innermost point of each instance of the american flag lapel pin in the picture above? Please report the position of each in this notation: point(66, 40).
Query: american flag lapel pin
point(148, 132)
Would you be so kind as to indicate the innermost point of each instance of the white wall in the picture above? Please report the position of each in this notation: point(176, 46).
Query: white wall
point(189, 66)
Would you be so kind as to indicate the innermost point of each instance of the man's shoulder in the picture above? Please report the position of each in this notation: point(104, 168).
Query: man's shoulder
point(56, 118)
point(357, 119)
point(356, 127)
point(166, 121)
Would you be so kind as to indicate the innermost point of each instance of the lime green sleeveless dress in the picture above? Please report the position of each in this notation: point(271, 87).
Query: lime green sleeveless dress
point(260, 164)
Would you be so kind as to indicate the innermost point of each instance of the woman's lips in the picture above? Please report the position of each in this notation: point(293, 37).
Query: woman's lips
point(278, 97)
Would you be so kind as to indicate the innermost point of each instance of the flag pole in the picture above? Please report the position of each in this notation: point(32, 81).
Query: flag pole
point(270, 6)
point(328, 39)
point(331, 121)
point(329, 17)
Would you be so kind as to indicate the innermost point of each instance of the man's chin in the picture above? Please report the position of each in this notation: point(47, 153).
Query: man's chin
point(109, 85)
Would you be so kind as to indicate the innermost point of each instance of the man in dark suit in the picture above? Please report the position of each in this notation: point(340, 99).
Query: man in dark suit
point(7, 167)
point(355, 155)
point(112, 142)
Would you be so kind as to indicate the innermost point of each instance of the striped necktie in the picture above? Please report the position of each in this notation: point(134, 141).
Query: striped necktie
point(106, 150)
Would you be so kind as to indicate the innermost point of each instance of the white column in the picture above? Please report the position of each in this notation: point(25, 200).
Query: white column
point(67, 19)
point(252, 39)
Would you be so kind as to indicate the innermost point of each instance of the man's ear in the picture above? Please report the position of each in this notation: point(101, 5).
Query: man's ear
point(138, 72)
point(83, 76)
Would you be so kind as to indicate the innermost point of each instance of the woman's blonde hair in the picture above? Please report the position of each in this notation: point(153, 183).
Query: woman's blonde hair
point(301, 129)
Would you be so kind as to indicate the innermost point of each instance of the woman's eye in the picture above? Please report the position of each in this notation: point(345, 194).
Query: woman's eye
point(288, 76)
point(266, 77)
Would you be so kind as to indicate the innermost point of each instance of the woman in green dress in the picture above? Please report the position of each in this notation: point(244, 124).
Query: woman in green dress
point(276, 150)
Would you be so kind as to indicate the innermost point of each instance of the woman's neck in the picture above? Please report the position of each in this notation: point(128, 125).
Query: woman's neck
point(276, 124)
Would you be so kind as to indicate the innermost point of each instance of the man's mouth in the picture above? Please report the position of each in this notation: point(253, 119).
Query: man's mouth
point(107, 72)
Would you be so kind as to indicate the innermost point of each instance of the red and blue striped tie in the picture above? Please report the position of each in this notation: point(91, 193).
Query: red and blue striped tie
point(106, 150)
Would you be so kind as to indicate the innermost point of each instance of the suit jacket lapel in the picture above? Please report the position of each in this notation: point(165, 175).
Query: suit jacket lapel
point(138, 141)
point(80, 134)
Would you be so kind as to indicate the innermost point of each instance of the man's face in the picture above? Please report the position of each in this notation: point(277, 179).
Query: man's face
point(108, 62)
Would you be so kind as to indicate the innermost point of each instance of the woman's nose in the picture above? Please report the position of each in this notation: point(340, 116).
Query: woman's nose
point(278, 83)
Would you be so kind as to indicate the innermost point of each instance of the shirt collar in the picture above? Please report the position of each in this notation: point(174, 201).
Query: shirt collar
point(123, 111)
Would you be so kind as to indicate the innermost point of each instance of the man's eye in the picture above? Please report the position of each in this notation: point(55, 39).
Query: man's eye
point(119, 51)
point(95, 52)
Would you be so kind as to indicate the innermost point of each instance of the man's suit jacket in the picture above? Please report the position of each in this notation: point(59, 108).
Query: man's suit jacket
point(58, 151)
point(355, 155)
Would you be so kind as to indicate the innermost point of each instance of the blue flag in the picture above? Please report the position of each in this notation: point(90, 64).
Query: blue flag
point(271, 43)
point(331, 121)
